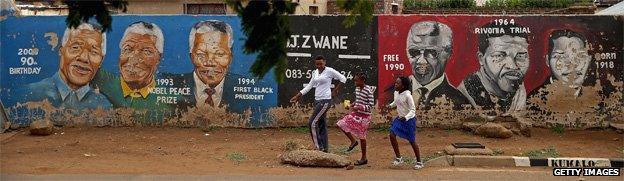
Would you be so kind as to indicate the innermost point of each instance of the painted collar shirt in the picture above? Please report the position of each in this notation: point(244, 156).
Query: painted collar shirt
point(417, 88)
point(201, 95)
point(67, 93)
point(136, 93)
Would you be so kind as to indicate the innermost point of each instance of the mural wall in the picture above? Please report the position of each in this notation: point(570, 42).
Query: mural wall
point(348, 50)
point(549, 69)
point(191, 70)
point(148, 70)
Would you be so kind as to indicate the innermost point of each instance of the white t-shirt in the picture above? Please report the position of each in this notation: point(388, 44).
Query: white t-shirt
point(322, 83)
point(404, 104)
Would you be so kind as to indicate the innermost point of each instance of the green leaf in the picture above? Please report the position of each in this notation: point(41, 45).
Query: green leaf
point(83, 10)
point(356, 9)
point(267, 27)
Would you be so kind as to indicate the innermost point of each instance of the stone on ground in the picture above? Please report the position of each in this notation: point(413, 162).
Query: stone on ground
point(41, 127)
point(493, 130)
point(619, 127)
point(471, 126)
point(442, 161)
point(294, 144)
point(6, 126)
point(314, 158)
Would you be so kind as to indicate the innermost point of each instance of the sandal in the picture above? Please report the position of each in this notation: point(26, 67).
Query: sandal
point(352, 146)
point(361, 162)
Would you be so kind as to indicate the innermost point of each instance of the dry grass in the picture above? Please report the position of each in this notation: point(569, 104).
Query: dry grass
point(552, 108)
point(123, 117)
point(298, 116)
point(294, 144)
point(292, 116)
point(210, 117)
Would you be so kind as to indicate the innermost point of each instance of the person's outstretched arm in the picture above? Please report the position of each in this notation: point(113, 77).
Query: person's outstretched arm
point(303, 91)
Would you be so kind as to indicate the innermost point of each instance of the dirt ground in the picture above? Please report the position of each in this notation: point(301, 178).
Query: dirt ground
point(253, 151)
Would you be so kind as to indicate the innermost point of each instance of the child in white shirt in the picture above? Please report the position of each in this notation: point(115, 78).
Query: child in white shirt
point(404, 125)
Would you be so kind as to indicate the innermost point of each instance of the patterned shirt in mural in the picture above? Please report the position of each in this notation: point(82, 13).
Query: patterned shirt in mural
point(55, 90)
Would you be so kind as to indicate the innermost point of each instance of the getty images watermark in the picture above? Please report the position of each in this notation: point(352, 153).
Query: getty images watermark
point(583, 167)
point(586, 172)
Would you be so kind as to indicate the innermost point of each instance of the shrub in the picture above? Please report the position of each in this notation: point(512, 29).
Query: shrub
point(518, 4)
point(416, 4)
point(549, 152)
point(471, 4)
point(236, 157)
point(557, 128)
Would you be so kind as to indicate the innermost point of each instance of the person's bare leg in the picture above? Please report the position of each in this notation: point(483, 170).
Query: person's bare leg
point(350, 136)
point(363, 146)
point(395, 145)
point(416, 150)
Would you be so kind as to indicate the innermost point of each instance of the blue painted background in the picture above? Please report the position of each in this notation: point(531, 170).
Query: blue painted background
point(28, 32)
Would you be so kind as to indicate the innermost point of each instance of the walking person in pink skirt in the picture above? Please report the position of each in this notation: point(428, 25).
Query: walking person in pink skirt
point(356, 122)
